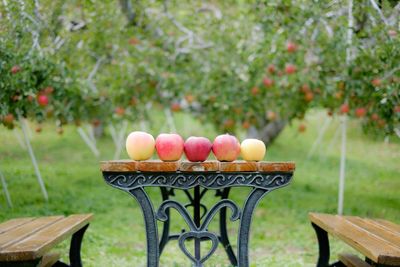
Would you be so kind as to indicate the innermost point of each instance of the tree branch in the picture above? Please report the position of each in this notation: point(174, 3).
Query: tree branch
point(126, 7)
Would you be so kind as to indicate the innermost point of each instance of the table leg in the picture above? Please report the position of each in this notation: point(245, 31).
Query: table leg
point(153, 254)
point(165, 233)
point(197, 219)
point(245, 222)
point(223, 229)
point(323, 244)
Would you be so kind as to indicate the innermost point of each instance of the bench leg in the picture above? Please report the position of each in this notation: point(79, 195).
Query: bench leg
point(323, 244)
point(75, 248)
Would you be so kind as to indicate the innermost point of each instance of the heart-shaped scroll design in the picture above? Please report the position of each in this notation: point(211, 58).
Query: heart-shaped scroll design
point(198, 232)
point(200, 236)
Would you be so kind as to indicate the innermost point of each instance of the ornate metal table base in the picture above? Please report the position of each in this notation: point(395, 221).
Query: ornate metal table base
point(201, 182)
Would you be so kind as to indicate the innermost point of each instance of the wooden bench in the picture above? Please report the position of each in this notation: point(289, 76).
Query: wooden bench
point(27, 242)
point(377, 240)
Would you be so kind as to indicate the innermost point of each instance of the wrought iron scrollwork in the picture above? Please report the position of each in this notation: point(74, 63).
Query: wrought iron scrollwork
point(209, 180)
point(135, 182)
point(197, 232)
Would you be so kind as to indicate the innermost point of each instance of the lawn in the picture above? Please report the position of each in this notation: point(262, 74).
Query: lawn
point(281, 232)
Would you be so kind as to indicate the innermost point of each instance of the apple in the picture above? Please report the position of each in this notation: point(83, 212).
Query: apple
point(8, 119)
point(397, 109)
point(392, 33)
point(226, 147)
point(134, 41)
point(140, 145)
point(290, 68)
point(189, 98)
point(344, 108)
point(175, 107)
point(252, 149)
point(291, 47)
point(360, 112)
point(309, 96)
point(120, 111)
point(48, 90)
point(374, 117)
point(169, 147)
point(330, 113)
point(246, 125)
point(197, 148)
point(271, 116)
point(255, 90)
point(302, 128)
point(38, 129)
point(15, 69)
point(305, 88)
point(268, 82)
point(43, 100)
point(376, 82)
point(271, 69)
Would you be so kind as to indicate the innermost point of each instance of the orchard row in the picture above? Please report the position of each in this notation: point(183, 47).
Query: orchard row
point(170, 147)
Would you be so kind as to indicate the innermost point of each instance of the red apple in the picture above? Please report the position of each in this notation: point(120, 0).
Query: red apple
point(376, 82)
point(344, 108)
point(15, 69)
point(374, 117)
point(246, 125)
point(169, 147)
point(302, 128)
point(197, 148)
point(120, 111)
point(226, 147)
point(8, 119)
point(309, 96)
point(48, 90)
point(360, 112)
point(134, 41)
point(291, 47)
point(43, 100)
point(397, 109)
point(268, 82)
point(392, 33)
point(290, 68)
point(271, 69)
point(305, 88)
point(255, 90)
point(175, 107)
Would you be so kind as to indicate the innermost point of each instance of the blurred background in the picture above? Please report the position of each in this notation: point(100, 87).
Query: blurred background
point(317, 81)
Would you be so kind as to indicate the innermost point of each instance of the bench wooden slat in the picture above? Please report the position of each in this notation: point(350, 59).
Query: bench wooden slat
point(391, 226)
point(13, 223)
point(376, 229)
point(377, 249)
point(16, 234)
point(38, 243)
point(351, 260)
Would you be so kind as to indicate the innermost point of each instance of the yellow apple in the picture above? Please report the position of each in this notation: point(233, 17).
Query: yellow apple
point(252, 149)
point(140, 145)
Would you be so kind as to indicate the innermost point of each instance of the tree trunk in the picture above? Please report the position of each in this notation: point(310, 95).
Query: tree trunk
point(268, 133)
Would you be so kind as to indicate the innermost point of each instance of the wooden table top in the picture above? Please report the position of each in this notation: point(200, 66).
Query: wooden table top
point(187, 166)
point(378, 240)
point(25, 239)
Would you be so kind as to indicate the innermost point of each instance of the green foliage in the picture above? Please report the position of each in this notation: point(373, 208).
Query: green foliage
point(210, 59)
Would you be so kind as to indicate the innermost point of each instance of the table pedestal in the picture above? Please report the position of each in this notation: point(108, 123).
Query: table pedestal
point(197, 225)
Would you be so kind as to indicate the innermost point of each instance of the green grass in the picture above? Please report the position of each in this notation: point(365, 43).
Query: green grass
point(281, 232)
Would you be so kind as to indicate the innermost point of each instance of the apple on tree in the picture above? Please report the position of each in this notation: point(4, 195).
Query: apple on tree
point(169, 147)
point(197, 148)
point(252, 149)
point(226, 147)
point(140, 145)
point(43, 100)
